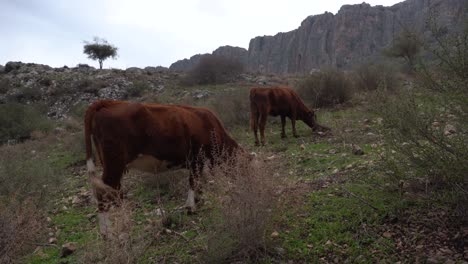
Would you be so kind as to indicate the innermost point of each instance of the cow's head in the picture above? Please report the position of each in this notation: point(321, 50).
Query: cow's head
point(311, 120)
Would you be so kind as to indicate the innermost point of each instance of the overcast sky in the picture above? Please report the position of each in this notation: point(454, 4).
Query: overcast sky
point(147, 32)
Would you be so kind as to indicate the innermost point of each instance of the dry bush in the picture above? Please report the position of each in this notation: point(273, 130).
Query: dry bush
point(18, 121)
point(123, 244)
point(243, 192)
point(372, 76)
point(27, 182)
point(231, 106)
point(213, 69)
point(21, 223)
point(326, 88)
point(425, 128)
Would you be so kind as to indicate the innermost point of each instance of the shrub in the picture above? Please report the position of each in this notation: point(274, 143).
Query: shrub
point(122, 244)
point(326, 88)
point(372, 76)
point(5, 85)
point(426, 129)
point(21, 223)
point(214, 69)
point(138, 88)
point(18, 121)
point(91, 86)
point(231, 106)
point(244, 199)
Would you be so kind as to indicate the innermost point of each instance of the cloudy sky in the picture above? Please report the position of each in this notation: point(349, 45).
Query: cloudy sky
point(147, 32)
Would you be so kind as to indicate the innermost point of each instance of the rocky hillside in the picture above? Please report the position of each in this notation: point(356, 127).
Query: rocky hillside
point(62, 89)
point(355, 33)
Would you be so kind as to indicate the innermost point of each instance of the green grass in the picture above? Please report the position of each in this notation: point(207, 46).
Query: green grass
point(332, 224)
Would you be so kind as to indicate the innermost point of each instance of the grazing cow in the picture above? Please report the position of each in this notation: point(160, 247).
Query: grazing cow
point(151, 137)
point(281, 101)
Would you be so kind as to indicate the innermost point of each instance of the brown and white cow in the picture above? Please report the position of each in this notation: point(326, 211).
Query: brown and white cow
point(152, 137)
point(279, 101)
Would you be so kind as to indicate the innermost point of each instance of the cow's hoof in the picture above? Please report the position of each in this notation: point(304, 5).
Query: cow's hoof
point(190, 210)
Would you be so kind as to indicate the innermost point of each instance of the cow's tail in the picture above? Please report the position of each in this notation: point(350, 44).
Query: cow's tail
point(253, 110)
point(88, 122)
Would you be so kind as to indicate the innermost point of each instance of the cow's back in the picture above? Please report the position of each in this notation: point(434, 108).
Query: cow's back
point(274, 100)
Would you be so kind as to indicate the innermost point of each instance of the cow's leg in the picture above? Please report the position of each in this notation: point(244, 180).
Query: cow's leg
point(255, 129)
point(108, 189)
point(254, 122)
point(283, 124)
point(195, 171)
point(263, 119)
point(293, 123)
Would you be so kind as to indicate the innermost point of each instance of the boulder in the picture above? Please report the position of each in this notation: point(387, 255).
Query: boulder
point(12, 66)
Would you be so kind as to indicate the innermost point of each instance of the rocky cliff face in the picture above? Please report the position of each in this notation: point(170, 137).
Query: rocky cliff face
point(230, 52)
point(355, 33)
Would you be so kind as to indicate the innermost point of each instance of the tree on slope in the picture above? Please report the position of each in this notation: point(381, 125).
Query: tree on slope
point(100, 50)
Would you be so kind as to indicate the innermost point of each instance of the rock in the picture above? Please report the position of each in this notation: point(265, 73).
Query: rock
point(449, 130)
point(332, 151)
point(2, 69)
point(12, 66)
point(436, 124)
point(280, 250)
point(52, 240)
point(68, 249)
point(303, 147)
point(275, 234)
point(134, 70)
point(357, 150)
point(200, 94)
point(387, 234)
point(154, 70)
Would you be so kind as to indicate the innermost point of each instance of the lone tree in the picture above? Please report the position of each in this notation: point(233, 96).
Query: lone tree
point(406, 45)
point(99, 50)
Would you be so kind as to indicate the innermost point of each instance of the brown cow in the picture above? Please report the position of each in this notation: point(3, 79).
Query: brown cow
point(281, 101)
point(150, 137)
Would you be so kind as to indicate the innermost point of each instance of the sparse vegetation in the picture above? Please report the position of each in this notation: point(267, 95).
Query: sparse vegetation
point(18, 121)
point(244, 200)
point(326, 88)
point(213, 69)
point(372, 76)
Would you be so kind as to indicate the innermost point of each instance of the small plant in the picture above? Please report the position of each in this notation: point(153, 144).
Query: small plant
point(326, 88)
point(138, 88)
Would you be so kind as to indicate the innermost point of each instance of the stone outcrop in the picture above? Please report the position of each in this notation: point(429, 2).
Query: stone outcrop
point(63, 89)
point(230, 52)
point(186, 64)
point(355, 33)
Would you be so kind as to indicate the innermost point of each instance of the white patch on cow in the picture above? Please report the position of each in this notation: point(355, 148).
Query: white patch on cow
point(148, 163)
point(190, 200)
point(90, 165)
point(104, 223)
